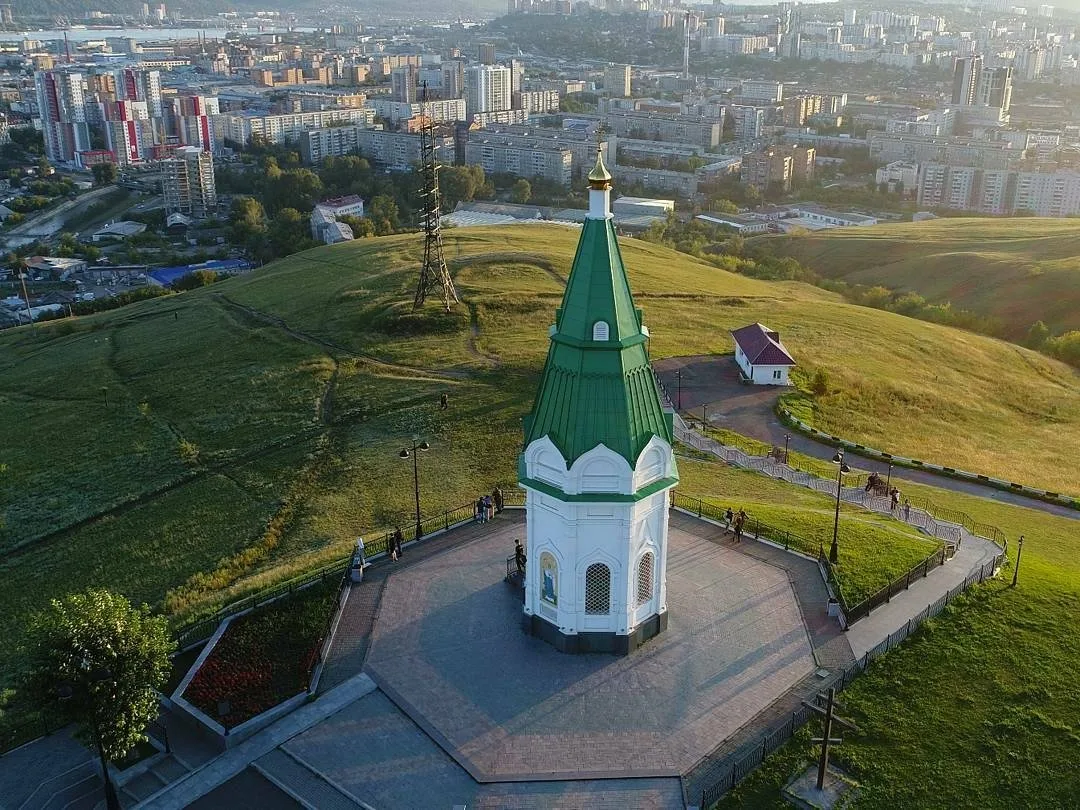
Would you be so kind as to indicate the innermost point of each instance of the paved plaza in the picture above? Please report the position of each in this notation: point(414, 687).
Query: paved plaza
point(448, 649)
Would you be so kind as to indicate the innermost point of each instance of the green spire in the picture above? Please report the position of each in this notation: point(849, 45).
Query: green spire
point(597, 388)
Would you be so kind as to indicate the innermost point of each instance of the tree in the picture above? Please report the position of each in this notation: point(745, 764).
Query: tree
point(1037, 335)
point(100, 660)
point(460, 184)
point(819, 383)
point(104, 174)
point(44, 169)
point(289, 232)
point(383, 213)
point(521, 191)
point(195, 279)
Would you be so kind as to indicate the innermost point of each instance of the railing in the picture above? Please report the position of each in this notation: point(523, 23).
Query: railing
point(789, 540)
point(199, 630)
point(941, 522)
point(317, 654)
point(159, 732)
point(862, 609)
point(42, 724)
point(737, 766)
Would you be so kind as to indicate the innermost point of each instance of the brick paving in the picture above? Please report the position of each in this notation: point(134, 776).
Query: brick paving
point(448, 649)
point(349, 648)
point(372, 750)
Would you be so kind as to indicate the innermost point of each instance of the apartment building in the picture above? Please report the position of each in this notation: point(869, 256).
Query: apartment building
point(673, 128)
point(242, 127)
point(187, 182)
point(519, 156)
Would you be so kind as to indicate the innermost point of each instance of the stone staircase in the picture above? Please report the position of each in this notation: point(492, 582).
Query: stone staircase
point(161, 772)
point(308, 787)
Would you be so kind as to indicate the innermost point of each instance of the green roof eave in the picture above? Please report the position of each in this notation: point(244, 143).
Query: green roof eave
point(659, 485)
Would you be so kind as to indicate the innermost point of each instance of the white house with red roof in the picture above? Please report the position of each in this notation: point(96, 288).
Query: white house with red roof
point(761, 356)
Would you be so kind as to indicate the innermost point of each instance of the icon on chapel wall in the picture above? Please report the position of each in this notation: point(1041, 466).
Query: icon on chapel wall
point(549, 578)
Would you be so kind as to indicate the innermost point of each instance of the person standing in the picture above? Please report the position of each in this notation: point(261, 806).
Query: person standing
point(729, 518)
point(497, 498)
point(907, 509)
point(481, 510)
point(519, 558)
point(740, 519)
point(397, 540)
point(360, 558)
point(894, 499)
point(489, 507)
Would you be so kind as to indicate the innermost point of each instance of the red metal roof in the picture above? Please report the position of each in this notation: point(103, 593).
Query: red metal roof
point(762, 346)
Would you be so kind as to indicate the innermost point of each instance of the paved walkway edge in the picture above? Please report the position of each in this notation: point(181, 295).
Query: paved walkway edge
point(219, 770)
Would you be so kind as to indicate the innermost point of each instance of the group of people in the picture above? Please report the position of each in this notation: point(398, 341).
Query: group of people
point(487, 506)
point(873, 484)
point(735, 523)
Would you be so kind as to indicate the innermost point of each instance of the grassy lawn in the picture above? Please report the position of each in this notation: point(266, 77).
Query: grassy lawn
point(1016, 270)
point(874, 549)
point(979, 708)
point(252, 427)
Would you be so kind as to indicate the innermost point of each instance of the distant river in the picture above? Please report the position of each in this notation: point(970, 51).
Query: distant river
point(143, 34)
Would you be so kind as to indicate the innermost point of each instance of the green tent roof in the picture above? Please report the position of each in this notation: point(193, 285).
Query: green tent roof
point(598, 391)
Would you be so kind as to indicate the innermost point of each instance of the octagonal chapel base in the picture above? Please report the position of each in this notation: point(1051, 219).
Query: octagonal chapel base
point(448, 649)
point(595, 642)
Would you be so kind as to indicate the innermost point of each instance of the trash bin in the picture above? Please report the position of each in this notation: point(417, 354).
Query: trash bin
point(833, 608)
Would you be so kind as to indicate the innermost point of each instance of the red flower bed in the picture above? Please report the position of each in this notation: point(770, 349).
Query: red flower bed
point(264, 657)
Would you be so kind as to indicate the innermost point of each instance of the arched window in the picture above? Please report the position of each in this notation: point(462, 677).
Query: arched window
point(600, 330)
point(645, 578)
point(549, 578)
point(598, 589)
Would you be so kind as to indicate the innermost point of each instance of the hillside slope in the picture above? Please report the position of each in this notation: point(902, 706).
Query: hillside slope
point(187, 449)
point(1016, 270)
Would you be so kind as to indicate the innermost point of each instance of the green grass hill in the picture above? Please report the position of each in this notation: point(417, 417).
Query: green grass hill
point(189, 449)
point(1017, 271)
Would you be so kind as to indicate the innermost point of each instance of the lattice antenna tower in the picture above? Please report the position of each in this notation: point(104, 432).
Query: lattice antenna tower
point(434, 273)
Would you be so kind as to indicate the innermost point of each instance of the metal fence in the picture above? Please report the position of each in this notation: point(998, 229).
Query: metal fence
point(941, 522)
point(199, 630)
point(739, 764)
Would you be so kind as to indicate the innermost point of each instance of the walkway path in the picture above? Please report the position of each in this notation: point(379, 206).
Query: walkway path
point(711, 381)
point(972, 552)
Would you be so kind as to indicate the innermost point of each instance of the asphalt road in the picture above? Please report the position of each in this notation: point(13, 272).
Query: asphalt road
point(712, 382)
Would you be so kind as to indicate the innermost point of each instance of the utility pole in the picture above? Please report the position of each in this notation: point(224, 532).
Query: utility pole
point(826, 739)
point(1016, 567)
point(26, 298)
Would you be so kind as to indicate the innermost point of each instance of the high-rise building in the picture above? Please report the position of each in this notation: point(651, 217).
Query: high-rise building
point(617, 80)
point(129, 132)
point(995, 87)
point(403, 83)
point(486, 53)
point(190, 120)
point(453, 79)
point(966, 70)
point(132, 84)
point(487, 88)
point(187, 181)
point(61, 103)
point(517, 75)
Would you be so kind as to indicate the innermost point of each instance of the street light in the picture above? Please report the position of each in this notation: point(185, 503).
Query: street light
point(888, 479)
point(404, 454)
point(1019, 551)
point(842, 467)
point(65, 691)
point(787, 439)
point(678, 376)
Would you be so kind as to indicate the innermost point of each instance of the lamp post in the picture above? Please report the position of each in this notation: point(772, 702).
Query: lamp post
point(888, 479)
point(65, 691)
point(417, 446)
point(841, 468)
point(787, 439)
point(678, 377)
point(1019, 551)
